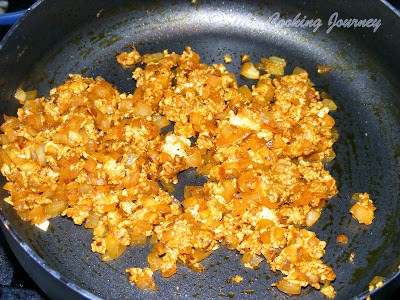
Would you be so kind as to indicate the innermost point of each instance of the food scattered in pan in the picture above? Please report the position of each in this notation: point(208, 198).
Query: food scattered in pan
point(98, 156)
point(249, 71)
point(237, 279)
point(323, 69)
point(244, 58)
point(342, 239)
point(227, 58)
point(364, 209)
point(375, 283)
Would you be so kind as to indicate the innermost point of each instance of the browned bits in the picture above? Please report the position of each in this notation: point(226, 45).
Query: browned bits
point(342, 239)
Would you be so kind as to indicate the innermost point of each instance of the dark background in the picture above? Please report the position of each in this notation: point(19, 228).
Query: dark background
point(15, 283)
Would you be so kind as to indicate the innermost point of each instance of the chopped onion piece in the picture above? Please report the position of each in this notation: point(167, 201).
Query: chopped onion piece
point(312, 217)
point(277, 61)
point(152, 58)
point(143, 109)
point(324, 69)
point(227, 58)
point(298, 70)
point(131, 158)
point(23, 96)
point(245, 58)
point(329, 104)
point(289, 287)
point(362, 214)
point(43, 226)
point(249, 71)
point(161, 121)
point(329, 157)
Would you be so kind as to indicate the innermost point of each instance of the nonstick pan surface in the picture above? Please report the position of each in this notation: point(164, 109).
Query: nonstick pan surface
point(60, 37)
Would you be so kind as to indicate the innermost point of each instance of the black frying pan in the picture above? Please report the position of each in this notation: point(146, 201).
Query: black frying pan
point(60, 37)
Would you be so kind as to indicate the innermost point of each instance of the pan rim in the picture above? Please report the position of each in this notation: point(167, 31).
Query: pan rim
point(391, 7)
point(8, 228)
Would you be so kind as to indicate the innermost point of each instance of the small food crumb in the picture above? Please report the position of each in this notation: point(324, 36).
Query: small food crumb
point(237, 278)
point(328, 291)
point(324, 69)
point(128, 59)
point(143, 278)
point(364, 209)
point(249, 71)
point(375, 283)
point(329, 104)
point(99, 13)
point(274, 65)
point(227, 58)
point(245, 58)
point(351, 258)
point(342, 239)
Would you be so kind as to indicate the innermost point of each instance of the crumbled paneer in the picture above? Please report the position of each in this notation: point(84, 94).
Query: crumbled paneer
point(328, 291)
point(364, 209)
point(96, 155)
point(129, 59)
point(143, 278)
point(227, 58)
point(245, 57)
point(176, 145)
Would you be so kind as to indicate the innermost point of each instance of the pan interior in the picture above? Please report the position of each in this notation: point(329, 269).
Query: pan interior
point(367, 151)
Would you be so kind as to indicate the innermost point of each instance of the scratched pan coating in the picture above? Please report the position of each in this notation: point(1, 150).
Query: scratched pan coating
point(56, 38)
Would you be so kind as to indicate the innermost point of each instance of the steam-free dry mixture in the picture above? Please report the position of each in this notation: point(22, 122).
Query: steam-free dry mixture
point(97, 156)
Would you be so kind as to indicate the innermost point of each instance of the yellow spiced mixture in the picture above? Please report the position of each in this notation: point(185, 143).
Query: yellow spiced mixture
point(96, 155)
